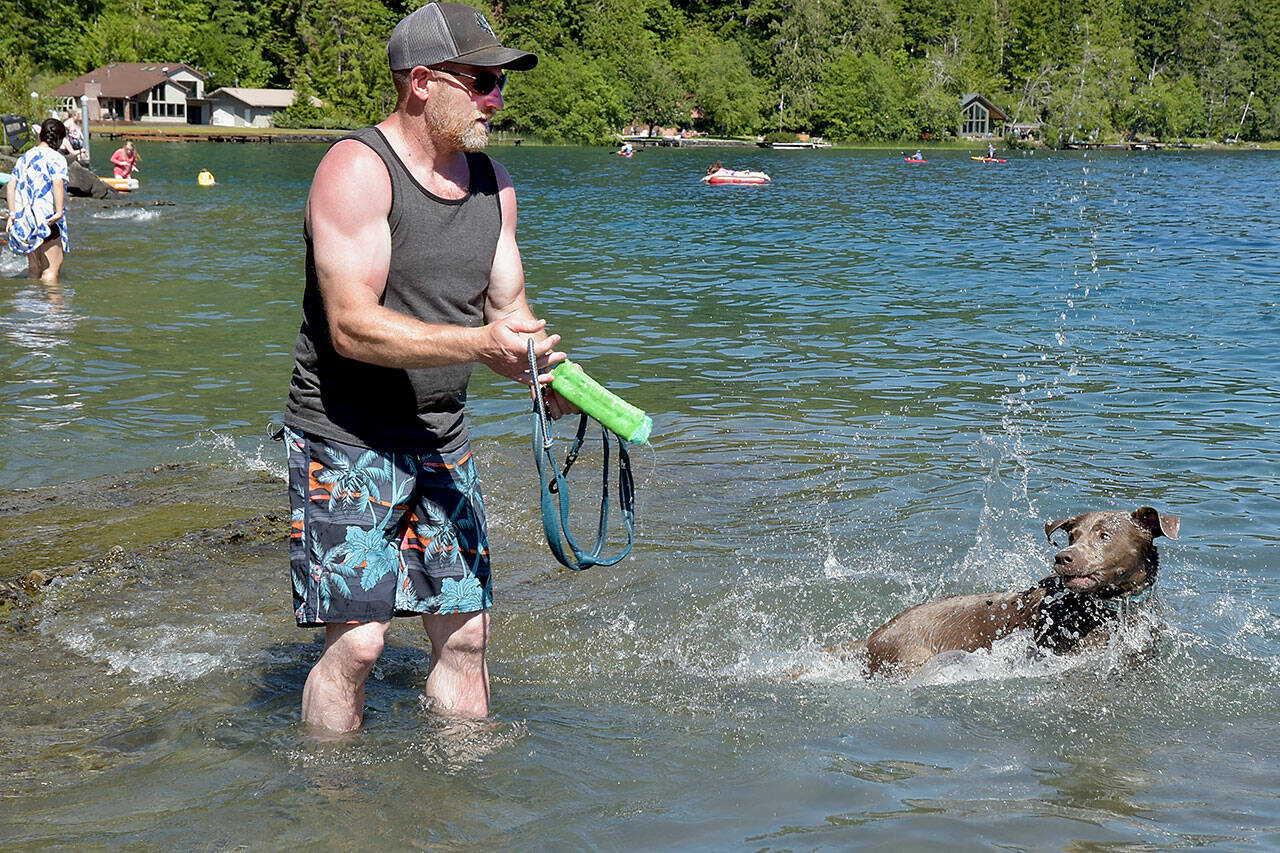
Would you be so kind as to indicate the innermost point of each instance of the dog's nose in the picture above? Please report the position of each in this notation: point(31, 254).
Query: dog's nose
point(1062, 558)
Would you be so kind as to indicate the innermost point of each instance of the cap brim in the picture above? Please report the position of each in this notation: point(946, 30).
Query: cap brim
point(497, 56)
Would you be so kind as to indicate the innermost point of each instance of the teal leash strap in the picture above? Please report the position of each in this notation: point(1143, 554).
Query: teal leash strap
point(555, 488)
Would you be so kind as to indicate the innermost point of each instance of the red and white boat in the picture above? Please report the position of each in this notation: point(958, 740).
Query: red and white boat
point(735, 176)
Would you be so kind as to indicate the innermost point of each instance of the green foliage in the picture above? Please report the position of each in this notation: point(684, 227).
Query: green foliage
point(653, 93)
point(728, 97)
point(303, 113)
point(15, 86)
point(122, 33)
point(345, 61)
point(47, 33)
point(574, 100)
point(861, 97)
point(223, 47)
point(849, 69)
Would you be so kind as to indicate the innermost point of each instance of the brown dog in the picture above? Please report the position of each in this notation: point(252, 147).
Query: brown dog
point(1105, 573)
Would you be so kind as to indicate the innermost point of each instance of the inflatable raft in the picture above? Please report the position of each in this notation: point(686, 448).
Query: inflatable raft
point(122, 185)
point(989, 159)
point(914, 160)
point(735, 176)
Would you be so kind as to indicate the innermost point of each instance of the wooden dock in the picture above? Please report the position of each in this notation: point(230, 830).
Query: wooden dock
point(207, 133)
point(1134, 145)
point(686, 142)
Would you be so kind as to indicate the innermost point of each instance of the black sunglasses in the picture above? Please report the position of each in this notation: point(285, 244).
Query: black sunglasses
point(482, 83)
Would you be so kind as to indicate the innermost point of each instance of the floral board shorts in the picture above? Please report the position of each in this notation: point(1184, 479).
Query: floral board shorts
point(376, 535)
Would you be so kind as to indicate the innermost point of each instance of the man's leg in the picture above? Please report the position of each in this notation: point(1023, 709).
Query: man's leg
point(459, 677)
point(333, 697)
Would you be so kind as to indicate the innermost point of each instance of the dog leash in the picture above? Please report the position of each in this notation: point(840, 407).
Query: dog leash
point(555, 487)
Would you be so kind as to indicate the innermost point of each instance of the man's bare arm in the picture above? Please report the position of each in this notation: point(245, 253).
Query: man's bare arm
point(347, 217)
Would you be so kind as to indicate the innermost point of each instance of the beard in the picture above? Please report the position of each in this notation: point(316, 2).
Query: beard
point(457, 132)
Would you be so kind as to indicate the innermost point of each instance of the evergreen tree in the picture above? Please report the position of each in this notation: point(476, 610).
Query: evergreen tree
point(345, 57)
point(1097, 69)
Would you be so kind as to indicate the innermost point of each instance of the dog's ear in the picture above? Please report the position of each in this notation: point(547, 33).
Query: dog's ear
point(1157, 524)
point(1053, 526)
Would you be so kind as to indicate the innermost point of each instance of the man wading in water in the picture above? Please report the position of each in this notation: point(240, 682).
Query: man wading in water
point(413, 275)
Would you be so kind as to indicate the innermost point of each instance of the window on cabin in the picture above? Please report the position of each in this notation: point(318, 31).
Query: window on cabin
point(975, 120)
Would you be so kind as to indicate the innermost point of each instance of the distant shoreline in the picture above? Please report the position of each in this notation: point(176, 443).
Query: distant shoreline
point(271, 135)
point(210, 133)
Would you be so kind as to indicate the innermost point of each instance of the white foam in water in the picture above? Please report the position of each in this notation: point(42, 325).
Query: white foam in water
point(876, 566)
point(1253, 629)
point(813, 665)
point(12, 264)
point(132, 639)
point(162, 654)
point(1015, 656)
point(267, 457)
point(137, 214)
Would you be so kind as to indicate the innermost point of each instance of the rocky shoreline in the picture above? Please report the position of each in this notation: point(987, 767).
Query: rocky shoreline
point(111, 524)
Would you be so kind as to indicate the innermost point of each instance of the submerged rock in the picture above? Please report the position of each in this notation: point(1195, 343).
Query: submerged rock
point(105, 523)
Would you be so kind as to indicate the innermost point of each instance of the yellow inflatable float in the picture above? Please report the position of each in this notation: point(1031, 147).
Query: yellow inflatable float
point(122, 185)
point(205, 178)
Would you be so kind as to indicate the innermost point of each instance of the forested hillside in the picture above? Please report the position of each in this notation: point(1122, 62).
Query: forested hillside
point(843, 69)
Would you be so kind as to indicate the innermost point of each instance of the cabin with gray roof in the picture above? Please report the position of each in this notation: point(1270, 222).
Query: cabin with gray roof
point(980, 117)
point(235, 106)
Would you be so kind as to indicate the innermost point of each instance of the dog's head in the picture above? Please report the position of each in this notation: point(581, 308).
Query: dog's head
point(1111, 553)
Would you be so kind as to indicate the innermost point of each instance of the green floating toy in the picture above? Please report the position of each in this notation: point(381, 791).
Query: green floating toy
point(614, 413)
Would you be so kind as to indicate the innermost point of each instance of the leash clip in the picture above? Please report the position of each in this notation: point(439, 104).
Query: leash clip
point(539, 404)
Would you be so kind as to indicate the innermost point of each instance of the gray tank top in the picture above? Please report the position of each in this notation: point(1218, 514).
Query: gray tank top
point(441, 257)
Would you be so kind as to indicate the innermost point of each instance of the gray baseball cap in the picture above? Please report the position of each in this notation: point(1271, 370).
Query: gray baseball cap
point(451, 32)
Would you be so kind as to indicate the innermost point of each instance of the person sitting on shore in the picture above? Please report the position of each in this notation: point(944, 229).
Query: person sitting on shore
point(73, 145)
point(125, 161)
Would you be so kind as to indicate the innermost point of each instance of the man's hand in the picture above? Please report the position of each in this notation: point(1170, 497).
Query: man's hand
point(506, 350)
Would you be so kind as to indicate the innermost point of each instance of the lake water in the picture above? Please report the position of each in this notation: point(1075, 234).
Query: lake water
point(872, 383)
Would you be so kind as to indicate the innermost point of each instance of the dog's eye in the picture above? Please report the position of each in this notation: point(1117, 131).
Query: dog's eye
point(1104, 535)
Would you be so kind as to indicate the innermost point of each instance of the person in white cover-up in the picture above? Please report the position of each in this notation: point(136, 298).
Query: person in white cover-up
point(37, 225)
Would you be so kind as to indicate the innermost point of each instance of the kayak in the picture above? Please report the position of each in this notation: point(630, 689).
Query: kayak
point(122, 185)
point(736, 176)
point(914, 160)
point(989, 159)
